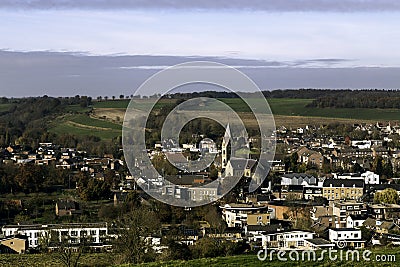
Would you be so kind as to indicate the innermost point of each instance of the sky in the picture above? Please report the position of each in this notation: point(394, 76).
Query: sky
point(99, 47)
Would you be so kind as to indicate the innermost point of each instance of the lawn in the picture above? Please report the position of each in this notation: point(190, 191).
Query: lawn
point(252, 261)
point(108, 259)
point(50, 260)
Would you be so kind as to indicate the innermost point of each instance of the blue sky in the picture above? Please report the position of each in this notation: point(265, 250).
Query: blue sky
point(320, 34)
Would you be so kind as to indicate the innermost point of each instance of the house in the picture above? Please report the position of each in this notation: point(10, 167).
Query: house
point(208, 192)
point(311, 192)
point(318, 211)
point(298, 179)
point(66, 164)
point(187, 236)
point(379, 151)
point(384, 211)
point(255, 230)
point(308, 156)
point(342, 209)
point(355, 220)
point(14, 244)
point(287, 240)
point(67, 208)
point(361, 144)
point(342, 189)
point(368, 177)
point(323, 223)
point(318, 243)
point(232, 234)
point(346, 237)
point(290, 192)
point(240, 215)
point(379, 226)
point(96, 233)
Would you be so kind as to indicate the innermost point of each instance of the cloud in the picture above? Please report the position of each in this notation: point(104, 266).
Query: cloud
point(256, 5)
point(68, 74)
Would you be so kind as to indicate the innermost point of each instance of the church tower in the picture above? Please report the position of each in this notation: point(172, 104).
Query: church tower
point(225, 144)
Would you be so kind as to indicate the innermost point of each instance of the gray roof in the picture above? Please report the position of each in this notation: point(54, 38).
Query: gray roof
point(297, 175)
point(268, 229)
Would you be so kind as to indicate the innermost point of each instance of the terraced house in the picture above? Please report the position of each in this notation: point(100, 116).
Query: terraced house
point(343, 189)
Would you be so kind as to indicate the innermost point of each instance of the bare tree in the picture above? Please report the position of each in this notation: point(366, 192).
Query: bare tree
point(134, 230)
point(68, 253)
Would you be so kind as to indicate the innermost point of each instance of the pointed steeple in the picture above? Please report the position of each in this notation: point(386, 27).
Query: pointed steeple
point(227, 135)
point(225, 143)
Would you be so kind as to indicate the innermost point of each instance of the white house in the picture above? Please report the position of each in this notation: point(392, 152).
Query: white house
point(346, 237)
point(361, 144)
point(95, 232)
point(370, 177)
point(287, 240)
point(355, 220)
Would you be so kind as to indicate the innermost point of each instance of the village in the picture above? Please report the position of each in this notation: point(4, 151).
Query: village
point(322, 192)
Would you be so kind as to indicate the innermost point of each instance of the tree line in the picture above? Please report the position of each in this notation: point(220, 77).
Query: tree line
point(358, 99)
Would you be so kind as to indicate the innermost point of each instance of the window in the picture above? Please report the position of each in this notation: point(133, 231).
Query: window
point(356, 235)
point(300, 243)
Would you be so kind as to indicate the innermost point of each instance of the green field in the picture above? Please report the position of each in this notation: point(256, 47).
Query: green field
point(82, 124)
point(280, 106)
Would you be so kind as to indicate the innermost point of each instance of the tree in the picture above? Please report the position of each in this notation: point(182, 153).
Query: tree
point(207, 248)
point(387, 196)
point(177, 251)
point(378, 165)
point(69, 254)
point(388, 169)
point(132, 243)
point(291, 162)
point(214, 219)
point(357, 168)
